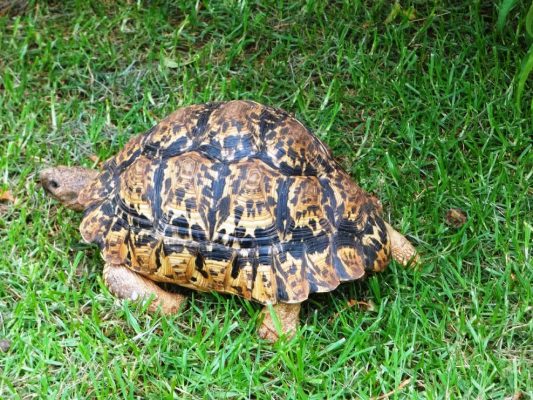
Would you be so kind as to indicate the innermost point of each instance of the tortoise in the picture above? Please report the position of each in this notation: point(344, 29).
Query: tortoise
point(233, 197)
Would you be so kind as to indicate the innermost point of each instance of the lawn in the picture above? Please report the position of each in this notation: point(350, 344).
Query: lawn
point(418, 107)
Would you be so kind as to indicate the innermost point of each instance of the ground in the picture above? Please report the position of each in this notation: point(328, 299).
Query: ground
point(417, 105)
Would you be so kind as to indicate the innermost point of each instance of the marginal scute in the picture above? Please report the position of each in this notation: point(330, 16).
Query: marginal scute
point(96, 223)
point(116, 249)
point(237, 198)
point(291, 276)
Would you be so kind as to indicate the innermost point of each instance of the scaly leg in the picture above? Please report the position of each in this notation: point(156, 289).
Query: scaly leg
point(402, 250)
point(127, 284)
point(288, 316)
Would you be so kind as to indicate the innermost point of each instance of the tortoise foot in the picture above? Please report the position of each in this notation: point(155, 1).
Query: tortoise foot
point(127, 284)
point(289, 319)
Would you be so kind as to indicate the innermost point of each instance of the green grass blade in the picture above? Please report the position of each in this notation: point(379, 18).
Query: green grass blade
point(525, 70)
point(505, 8)
point(529, 21)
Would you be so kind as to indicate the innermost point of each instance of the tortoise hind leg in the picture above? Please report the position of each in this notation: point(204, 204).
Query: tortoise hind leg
point(288, 316)
point(127, 284)
point(402, 250)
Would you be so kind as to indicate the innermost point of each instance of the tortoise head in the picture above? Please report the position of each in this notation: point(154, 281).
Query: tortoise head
point(65, 184)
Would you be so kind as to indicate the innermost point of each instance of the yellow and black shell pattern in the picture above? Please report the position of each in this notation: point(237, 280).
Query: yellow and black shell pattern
point(234, 197)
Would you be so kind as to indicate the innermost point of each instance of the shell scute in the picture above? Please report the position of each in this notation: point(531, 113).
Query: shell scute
point(181, 131)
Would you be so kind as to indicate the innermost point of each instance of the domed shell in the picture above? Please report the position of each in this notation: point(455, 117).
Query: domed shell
point(235, 197)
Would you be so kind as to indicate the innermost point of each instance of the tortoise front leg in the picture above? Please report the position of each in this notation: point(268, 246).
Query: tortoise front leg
point(288, 316)
point(127, 284)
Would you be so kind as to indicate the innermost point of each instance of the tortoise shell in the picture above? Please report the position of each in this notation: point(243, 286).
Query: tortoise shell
point(235, 197)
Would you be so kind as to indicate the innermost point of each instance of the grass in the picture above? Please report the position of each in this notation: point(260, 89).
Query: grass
point(419, 112)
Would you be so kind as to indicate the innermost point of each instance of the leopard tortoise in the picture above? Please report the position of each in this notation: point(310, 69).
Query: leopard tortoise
point(234, 197)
